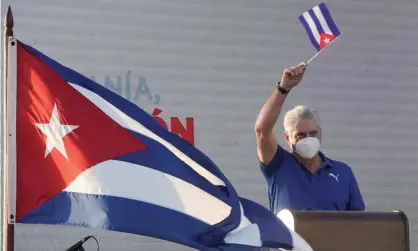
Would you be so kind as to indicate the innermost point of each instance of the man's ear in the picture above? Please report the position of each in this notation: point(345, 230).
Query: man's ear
point(320, 133)
point(287, 137)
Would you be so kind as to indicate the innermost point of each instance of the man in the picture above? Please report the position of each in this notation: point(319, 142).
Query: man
point(304, 178)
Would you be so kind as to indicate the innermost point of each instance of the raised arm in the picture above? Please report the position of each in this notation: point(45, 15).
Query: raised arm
point(267, 142)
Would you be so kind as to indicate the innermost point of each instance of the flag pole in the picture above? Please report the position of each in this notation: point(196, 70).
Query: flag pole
point(8, 229)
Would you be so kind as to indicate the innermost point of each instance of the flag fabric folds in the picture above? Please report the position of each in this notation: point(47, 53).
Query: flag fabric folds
point(319, 26)
point(87, 157)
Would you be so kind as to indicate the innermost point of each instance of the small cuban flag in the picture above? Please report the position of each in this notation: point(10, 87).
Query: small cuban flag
point(319, 26)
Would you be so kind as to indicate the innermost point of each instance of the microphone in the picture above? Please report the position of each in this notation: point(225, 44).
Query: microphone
point(79, 245)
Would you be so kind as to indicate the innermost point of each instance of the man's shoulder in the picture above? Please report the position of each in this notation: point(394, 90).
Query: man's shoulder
point(281, 158)
point(338, 164)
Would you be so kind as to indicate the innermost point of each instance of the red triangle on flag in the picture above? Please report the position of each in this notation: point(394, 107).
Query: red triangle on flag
point(60, 133)
point(325, 39)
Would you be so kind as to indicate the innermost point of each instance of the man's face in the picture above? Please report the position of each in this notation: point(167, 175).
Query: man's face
point(303, 128)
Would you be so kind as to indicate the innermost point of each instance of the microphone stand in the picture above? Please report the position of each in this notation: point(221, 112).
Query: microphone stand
point(79, 245)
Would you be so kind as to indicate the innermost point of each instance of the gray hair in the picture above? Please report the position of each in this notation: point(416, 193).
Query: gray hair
point(297, 113)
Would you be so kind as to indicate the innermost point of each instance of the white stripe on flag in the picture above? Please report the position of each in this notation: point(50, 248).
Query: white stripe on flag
point(136, 182)
point(322, 20)
point(246, 233)
point(124, 120)
point(312, 26)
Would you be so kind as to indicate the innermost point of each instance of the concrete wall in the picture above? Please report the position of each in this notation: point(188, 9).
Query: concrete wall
point(217, 62)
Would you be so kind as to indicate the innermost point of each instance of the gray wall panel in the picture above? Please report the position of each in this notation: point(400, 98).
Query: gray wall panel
point(218, 61)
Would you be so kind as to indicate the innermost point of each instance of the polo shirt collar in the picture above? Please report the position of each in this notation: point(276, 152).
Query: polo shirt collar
point(327, 162)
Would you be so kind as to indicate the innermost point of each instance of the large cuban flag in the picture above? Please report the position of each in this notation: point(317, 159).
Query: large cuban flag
point(84, 156)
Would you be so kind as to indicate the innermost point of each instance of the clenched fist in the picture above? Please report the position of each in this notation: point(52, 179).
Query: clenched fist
point(292, 76)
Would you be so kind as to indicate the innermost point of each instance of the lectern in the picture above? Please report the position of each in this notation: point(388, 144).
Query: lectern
point(350, 231)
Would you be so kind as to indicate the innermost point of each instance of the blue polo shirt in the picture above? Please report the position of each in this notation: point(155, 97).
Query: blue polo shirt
point(290, 185)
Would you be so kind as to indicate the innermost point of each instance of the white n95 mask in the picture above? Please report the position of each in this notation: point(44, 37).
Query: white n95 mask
point(307, 147)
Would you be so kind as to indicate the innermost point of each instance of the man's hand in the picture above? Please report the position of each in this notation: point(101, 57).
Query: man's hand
point(292, 76)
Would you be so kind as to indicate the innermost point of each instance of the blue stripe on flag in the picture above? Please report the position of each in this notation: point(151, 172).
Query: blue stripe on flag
point(316, 21)
point(309, 32)
point(112, 213)
point(327, 15)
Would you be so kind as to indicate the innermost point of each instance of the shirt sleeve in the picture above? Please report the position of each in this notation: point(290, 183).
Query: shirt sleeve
point(274, 164)
point(356, 202)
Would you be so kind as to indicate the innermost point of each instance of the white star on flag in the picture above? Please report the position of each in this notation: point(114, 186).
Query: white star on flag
point(55, 132)
point(326, 40)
